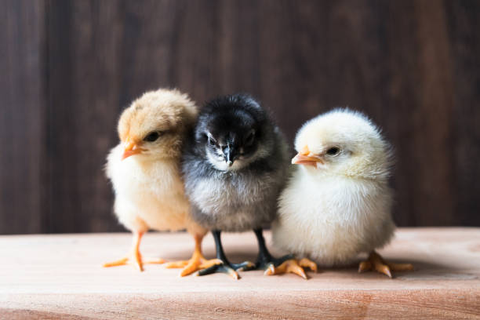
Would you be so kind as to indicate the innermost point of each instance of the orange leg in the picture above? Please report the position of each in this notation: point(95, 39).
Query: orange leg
point(197, 261)
point(135, 256)
point(292, 266)
point(376, 263)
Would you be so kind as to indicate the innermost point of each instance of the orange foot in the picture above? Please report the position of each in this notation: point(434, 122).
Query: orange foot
point(292, 266)
point(134, 258)
point(196, 263)
point(376, 262)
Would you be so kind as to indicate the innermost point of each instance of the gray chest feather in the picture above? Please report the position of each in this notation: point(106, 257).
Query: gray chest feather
point(235, 203)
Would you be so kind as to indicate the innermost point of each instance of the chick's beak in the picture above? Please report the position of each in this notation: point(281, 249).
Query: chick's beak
point(130, 149)
point(305, 158)
point(229, 155)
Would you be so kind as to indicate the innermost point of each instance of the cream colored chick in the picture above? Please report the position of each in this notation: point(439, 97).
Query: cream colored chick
point(145, 172)
point(338, 202)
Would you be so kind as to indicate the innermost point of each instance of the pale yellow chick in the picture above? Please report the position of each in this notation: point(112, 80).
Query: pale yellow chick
point(145, 172)
point(337, 204)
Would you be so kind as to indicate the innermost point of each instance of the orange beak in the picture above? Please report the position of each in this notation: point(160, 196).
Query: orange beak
point(304, 158)
point(130, 149)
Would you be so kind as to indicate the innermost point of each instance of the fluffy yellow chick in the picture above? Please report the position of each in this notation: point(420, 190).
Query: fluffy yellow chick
point(145, 172)
point(338, 202)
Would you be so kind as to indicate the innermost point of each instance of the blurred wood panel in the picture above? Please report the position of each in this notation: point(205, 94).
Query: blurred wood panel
point(465, 142)
point(86, 52)
point(412, 66)
point(23, 110)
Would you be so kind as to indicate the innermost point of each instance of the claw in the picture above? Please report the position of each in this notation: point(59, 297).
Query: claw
point(307, 263)
point(233, 274)
point(299, 271)
point(270, 270)
point(384, 269)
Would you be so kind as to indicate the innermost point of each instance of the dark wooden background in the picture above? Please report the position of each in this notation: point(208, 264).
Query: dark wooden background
point(68, 68)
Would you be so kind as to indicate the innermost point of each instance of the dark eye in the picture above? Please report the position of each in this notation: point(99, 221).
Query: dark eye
point(211, 141)
point(250, 138)
point(152, 136)
point(333, 151)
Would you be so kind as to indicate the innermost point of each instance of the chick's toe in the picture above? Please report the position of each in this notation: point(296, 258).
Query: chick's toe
point(229, 268)
point(292, 266)
point(375, 262)
point(135, 257)
point(197, 261)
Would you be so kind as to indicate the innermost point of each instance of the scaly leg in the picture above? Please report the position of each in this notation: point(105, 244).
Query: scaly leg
point(134, 257)
point(377, 263)
point(225, 267)
point(265, 259)
point(197, 262)
point(285, 264)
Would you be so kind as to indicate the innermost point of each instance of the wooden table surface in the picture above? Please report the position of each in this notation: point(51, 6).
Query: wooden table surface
point(60, 276)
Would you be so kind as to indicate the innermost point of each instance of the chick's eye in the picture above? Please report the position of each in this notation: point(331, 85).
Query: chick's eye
point(211, 141)
point(152, 136)
point(333, 151)
point(250, 138)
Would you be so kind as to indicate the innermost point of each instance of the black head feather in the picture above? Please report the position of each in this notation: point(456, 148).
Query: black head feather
point(234, 127)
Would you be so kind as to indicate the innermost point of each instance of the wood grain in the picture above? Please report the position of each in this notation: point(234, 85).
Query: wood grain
point(70, 67)
point(59, 276)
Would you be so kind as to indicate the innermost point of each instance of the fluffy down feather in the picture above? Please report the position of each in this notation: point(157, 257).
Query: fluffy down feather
point(339, 205)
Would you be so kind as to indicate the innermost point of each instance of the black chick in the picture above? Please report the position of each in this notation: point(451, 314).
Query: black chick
point(235, 166)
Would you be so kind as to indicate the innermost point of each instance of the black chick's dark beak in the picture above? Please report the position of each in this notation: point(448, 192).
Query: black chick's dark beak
point(230, 155)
